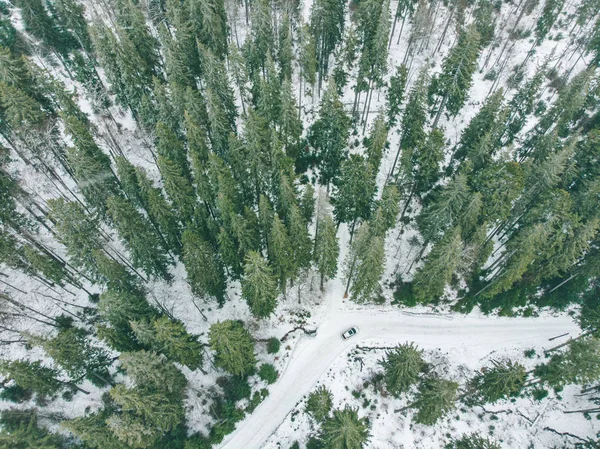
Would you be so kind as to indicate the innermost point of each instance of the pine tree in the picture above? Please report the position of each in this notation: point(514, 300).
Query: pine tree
point(435, 398)
point(328, 136)
point(319, 404)
point(32, 376)
point(431, 279)
point(259, 286)
point(345, 430)
point(503, 380)
point(402, 366)
point(327, 249)
point(139, 237)
point(233, 346)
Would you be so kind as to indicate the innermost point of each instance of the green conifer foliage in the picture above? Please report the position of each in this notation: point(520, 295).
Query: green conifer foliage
point(233, 346)
point(319, 403)
point(402, 366)
point(259, 286)
point(327, 249)
point(503, 380)
point(32, 376)
point(139, 237)
point(328, 135)
point(345, 430)
point(205, 270)
point(435, 398)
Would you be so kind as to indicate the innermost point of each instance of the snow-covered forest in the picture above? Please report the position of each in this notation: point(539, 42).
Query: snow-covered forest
point(197, 197)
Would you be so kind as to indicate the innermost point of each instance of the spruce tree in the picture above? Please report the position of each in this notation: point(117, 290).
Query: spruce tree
point(353, 197)
point(300, 240)
point(78, 232)
point(327, 28)
point(579, 364)
point(32, 376)
point(472, 441)
point(233, 346)
point(139, 237)
point(204, 268)
point(365, 265)
point(259, 286)
point(431, 279)
point(345, 430)
point(170, 338)
point(435, 398)
point(503, 380)
point(414, 118)
point(77, 355)
point(280, 253)
point(402, 366)
point(377, 142)
point(328, 136)
point(395, 94)
point(327, 249)
point(119, 308)
point(319, 403)
point(153, 372)
point(452, 85)
point(91, 167)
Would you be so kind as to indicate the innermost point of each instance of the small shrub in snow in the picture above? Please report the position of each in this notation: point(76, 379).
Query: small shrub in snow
point(473, 441)
point(273, 345)
point(268, 373)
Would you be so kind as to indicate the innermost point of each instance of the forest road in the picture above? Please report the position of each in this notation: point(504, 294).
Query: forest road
point(476, 335)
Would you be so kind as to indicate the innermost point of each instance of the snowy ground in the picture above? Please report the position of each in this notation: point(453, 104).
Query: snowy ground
point(465, 341)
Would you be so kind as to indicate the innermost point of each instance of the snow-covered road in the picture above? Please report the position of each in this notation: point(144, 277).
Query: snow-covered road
point(476, 335)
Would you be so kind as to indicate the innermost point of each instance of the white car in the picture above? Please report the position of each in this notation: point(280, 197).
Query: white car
point(350, 333)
